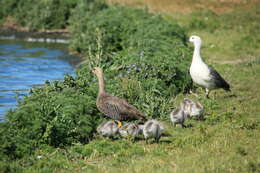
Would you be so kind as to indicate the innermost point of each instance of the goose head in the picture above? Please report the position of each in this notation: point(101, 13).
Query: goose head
point(97, 70)
point(196, 40)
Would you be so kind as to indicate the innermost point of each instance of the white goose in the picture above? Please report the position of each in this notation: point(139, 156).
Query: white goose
point(202, 74)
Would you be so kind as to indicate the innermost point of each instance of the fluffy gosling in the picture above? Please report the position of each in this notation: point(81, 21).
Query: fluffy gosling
point(152, 129)
point(178, 116)
point(130, 130)
point(187, 109)
point(108, 129)
point(193, 108)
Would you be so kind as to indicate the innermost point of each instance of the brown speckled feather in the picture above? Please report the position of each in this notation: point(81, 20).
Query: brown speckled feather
point(114, 107)
point(117, 108)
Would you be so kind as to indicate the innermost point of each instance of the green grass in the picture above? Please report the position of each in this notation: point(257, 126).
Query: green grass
point(226, 37)
point(227, 141)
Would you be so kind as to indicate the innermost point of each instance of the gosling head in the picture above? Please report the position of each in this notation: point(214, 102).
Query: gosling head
point(196, 40)
point(197, 110)
point(142, 118)
point(97, 70)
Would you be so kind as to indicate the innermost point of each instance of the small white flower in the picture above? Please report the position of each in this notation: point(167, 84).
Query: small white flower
point(39, 157)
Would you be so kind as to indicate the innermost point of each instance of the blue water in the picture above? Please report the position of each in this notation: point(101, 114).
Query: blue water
point(24, 66)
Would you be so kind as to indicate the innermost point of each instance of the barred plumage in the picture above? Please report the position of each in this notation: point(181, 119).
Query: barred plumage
point(112, 106)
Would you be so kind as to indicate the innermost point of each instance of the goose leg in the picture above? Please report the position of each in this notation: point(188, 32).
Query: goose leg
point(193, 93)
point(183, 126)
point(157, 140)
point(207, 93)
point(119, 124)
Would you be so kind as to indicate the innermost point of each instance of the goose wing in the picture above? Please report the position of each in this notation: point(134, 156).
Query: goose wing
point(217, 79)
point(119, 109)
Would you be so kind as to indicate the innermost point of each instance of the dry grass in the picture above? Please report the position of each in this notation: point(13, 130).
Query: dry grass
point(187, 6)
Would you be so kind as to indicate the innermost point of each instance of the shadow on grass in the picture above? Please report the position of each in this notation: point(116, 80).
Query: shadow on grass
point(231, 95)
point(167, 141)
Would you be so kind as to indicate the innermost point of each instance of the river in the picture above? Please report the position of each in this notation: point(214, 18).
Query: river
point(25, 65)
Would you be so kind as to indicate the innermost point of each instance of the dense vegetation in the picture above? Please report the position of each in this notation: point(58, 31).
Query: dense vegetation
point(144, 56)
point(41, 14)
point(59, 114)
point(146, 52)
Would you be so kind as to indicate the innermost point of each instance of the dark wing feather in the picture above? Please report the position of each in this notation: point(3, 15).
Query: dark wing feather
point(118, 109)
point(218, 80)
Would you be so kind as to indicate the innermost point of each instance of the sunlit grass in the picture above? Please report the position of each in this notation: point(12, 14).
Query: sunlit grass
point(227, 141)
point(186, 6)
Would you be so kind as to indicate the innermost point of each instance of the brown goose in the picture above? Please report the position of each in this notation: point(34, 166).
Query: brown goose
point(113, 107)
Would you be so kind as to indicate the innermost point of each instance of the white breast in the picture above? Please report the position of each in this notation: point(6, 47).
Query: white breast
point(200, 74)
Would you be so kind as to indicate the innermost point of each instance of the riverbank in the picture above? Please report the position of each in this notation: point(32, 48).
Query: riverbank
point(10, 30)
point(227, 141)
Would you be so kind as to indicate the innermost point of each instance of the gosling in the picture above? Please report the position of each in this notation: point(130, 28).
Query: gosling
point(152, 129)
point(178, 116)
point(193, 108)
point(130, 130)
point(188, 108)
point(108, 129)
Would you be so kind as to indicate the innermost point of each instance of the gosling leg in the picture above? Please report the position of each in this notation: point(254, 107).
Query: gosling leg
point(119, 124)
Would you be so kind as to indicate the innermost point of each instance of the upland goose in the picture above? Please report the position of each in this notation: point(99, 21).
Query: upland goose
point(188, 108)
point(178, 116)
point(108, 129)
point(192, 108)
point(130, 130)
point(112, 106)
point(152, 129)
point(202, 74)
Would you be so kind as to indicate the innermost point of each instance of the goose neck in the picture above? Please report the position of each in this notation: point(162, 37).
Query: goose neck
point(196, 53)
point(101, 84)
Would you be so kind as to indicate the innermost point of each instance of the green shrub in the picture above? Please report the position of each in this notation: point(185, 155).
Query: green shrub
point(59, 114)
point(145, 57)
point(7, 7)
point(36, 15)
point(50, 14)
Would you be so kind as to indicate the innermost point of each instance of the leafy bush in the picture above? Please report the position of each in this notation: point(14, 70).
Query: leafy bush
point(145, 57)
point(48, 14)
point(7, 7)
point(58, 114)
